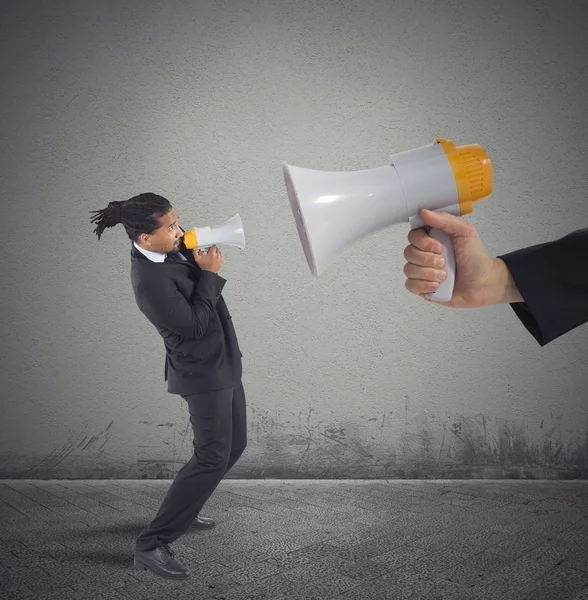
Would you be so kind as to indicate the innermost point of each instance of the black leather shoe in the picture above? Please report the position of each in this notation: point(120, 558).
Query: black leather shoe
point(202, 523)
point(162, 562)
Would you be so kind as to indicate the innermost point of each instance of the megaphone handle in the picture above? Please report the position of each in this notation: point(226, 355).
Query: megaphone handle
point(445, 290)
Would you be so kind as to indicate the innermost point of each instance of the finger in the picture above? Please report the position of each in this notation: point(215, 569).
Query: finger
point(447, 222)
point(420, 287)
point(423, 241)
point(424, 259)
point(424, 273)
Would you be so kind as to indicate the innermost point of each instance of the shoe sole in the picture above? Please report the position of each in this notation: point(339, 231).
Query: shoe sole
point(143, 567)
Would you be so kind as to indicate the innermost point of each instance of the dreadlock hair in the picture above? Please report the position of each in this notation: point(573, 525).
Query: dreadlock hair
point(137, 214)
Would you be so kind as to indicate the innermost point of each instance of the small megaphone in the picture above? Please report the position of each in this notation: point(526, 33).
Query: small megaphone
point(335, 209)
point(229, 233)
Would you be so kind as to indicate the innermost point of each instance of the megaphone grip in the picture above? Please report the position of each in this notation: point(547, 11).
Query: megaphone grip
point(445, 290)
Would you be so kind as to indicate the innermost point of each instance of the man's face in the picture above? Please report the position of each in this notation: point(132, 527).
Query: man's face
point(167, 237)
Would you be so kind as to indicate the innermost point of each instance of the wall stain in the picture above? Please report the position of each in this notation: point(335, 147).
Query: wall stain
point(185, 432)
point(465, 446)
point(511, 449)
point(396, 445)
point(101, 449)
point(335, 434)
point(352, 445)
point(48, 464)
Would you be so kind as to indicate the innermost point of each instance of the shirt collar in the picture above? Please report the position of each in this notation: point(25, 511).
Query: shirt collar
point(153, 256)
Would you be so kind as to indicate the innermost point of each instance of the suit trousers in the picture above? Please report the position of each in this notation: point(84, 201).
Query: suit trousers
point(219, 424)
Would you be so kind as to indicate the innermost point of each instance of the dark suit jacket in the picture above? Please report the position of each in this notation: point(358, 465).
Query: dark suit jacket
point(185, 305)
point(553, 281)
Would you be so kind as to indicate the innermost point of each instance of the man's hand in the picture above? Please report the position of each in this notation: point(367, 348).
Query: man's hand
point(480, 280)
point(209, 259)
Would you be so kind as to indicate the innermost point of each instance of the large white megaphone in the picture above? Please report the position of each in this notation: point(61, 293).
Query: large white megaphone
point(230, 233)
point(335, 209)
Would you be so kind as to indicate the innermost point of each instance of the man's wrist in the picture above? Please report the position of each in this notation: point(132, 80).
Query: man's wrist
point(503, 287)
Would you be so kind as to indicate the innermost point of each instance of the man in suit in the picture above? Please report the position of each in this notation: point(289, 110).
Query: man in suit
point(544, 284)
point(179, 291)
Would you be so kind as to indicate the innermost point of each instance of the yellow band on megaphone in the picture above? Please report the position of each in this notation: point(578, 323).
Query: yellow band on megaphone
point(191, 239)
point(472, 170)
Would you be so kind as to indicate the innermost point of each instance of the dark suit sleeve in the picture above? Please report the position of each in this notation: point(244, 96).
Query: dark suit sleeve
point(166, 307)
point(551, 278)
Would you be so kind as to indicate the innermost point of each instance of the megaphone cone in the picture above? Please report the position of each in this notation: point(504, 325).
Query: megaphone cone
point(334, 210)
point(229, 233)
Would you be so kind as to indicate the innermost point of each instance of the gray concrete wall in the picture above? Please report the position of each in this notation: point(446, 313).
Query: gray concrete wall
point(201, 101)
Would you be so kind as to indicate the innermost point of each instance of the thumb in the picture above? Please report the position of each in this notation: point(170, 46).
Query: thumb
point(453, 225)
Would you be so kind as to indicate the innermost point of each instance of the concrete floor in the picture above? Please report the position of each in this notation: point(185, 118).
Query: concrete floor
point(300, 539)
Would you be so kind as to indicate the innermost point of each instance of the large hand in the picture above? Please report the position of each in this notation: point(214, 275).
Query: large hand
point(480, 279)
point(210, 259)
